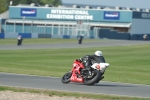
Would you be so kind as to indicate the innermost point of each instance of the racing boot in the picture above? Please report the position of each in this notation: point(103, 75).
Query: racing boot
point(101, 77)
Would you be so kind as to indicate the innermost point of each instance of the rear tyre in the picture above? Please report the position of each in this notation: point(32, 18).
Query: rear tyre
point(96, 76)
point(66, 78)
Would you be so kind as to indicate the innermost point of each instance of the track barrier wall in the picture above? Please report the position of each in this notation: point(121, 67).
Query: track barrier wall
point(44, 36)
point(25, 35)
point(113, 34)
point(103, 33)
point(2, 35)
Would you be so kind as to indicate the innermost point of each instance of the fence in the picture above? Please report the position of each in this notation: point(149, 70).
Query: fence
point(65, 28)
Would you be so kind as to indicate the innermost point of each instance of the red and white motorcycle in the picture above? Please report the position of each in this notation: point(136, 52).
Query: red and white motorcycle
point(79, 74)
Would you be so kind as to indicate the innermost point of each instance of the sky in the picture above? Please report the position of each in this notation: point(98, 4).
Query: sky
point(121, 3)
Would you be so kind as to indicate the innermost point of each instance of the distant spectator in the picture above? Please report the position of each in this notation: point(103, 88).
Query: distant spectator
point(20, 40)
point(145, 37)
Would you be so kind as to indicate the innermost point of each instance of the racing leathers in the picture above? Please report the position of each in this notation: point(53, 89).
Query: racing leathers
point(88, 59)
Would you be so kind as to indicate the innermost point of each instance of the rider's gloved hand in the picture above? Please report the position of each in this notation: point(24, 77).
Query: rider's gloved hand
point(79, 60)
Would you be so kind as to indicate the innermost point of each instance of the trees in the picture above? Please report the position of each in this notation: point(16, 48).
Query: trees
point(57, 2)
point(4, 4)
point(53, 2)
point(16, 2)
point(33, 1)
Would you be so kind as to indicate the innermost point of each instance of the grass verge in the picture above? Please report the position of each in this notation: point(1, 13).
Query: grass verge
point(45, 41)
point(128, 64)
point(69, 94)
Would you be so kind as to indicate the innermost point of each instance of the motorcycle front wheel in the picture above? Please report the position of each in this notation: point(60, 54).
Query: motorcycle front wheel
point(92, 80)
point(66, 77)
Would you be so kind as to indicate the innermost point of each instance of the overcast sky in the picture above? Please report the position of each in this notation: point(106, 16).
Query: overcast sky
point(121, 3)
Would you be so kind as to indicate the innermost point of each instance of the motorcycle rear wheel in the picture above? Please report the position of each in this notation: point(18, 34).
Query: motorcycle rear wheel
point(66, 78)
point(94, 79)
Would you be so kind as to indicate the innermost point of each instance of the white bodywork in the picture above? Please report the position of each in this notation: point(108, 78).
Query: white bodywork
point(103, 66)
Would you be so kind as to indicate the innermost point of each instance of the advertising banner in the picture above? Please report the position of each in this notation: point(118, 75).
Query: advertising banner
point(111, 15)
point(31, 12)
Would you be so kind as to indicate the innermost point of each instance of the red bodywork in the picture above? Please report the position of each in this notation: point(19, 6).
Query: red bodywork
point(77, 65)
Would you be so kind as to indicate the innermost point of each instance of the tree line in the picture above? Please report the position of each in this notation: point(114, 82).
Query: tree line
point(4, 4)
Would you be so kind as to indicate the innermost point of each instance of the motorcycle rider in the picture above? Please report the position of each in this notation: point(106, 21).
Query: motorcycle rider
point(97, 57)
point(20, 40)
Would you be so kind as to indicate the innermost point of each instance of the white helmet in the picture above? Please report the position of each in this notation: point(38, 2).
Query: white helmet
point(98, 53)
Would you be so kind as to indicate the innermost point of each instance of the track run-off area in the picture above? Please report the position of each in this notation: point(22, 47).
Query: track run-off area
point(54, 83)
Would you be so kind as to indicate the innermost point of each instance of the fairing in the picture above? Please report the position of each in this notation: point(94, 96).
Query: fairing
point(76, 71)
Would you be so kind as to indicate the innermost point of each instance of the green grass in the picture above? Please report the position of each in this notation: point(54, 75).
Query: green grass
point(70, 94)
point(44, 40)
point(128, 64)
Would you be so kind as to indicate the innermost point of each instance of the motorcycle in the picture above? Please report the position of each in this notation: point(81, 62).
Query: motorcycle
point(79, 74)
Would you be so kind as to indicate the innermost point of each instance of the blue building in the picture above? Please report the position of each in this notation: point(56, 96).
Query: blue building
point(68, 22)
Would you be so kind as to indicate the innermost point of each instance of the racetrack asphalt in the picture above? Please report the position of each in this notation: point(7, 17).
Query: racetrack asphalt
point(51, 83)
point(73, 45)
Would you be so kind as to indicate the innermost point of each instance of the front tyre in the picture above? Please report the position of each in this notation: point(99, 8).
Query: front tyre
point(66, 78)
point(95, 77)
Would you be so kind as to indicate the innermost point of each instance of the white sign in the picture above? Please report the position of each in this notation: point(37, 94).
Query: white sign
point(111, 15)
point(28, 12)
point(70, 14)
